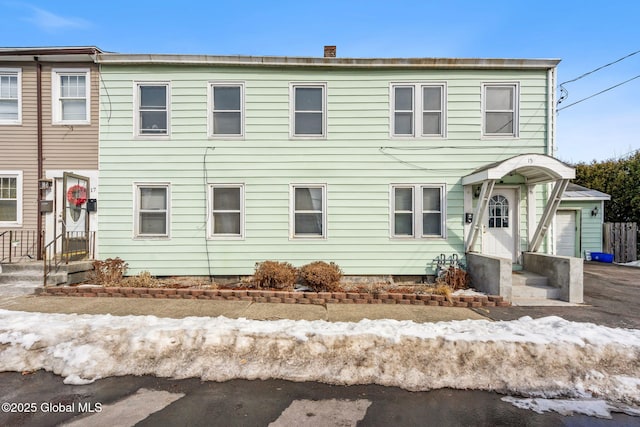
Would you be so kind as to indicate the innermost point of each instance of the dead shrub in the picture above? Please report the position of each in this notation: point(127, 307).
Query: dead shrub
point(142, 280)
point(274, 274)
point(320, 276)
point(443, 289)
point(455, 277)
point(108, 272)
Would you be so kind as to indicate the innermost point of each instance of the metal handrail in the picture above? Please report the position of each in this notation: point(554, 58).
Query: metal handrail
point(47, 257)
point(50, 251)
point(20, 243)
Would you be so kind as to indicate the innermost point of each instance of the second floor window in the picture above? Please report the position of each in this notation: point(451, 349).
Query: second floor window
point(153, 109)
point(418, 109)
point(308, 110)
point(71, 97)
point(10, 96)
point(500, 109)
point(227, 109)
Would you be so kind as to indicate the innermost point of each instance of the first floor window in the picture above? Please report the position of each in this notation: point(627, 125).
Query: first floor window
point(152, 210)
point(9, 199)
point(71, 100)
point(309, 210)
point(227, 206)
point(10, 96)
point(153, 109)
point(418, 211)
point(500, 109)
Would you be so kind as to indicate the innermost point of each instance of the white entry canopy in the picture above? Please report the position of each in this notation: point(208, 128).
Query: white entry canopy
point(536, 168)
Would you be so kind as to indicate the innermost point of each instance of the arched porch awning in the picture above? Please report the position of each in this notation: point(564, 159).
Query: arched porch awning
point(536, 169)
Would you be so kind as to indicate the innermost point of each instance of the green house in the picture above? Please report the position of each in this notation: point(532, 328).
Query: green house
point(209, 164)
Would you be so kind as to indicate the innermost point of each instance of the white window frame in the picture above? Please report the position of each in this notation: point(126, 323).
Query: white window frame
point(17, 72)
point(516, 109)
point(211, 106)
point(293, 212)
point(136, 211)
point(418, 109)
point(19, 197)
point(418, 211)
point(210, 216)
point(56, 102)
point(292, 109)
point(137, 132)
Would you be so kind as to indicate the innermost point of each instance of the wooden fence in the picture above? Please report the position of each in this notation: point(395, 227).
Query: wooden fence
point(621, 240)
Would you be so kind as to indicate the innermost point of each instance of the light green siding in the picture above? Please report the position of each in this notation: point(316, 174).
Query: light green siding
point(358, 162)
point(590, 230)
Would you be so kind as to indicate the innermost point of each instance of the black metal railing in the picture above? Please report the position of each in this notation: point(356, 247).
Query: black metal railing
point(16, 245)
point(71, 246)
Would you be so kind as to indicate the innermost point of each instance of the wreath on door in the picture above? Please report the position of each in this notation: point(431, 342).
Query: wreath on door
point(77, 195)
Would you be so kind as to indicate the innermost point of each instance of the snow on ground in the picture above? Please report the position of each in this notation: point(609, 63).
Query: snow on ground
point(537, 358)
point(632, 264)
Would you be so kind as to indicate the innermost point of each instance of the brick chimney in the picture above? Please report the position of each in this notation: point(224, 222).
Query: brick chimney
point(329, 51)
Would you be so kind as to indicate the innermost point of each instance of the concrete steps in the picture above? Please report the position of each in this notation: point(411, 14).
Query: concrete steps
point(527, 285)
point(33, 273)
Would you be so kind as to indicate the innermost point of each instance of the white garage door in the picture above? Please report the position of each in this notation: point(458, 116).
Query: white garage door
point(566, 233)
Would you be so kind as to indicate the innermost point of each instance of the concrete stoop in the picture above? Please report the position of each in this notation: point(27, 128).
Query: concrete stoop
point(531, 286)
point(33, 272)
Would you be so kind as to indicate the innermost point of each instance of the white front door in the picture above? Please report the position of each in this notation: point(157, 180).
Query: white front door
point(500, 224)
point(566, 233)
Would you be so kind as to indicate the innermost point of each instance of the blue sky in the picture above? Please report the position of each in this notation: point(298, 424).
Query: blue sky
point(585, 35)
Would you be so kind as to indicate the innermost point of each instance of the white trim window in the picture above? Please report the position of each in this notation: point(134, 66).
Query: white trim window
point(424, 115)
point(10, 198)
point(10, 96)
point(308, 110)
point(418, 211)
point(226, 109)
point(226, 207)
point(152, 112)
point(500, 109)
point(71, 93)
point(308, 211)
point(152, 210)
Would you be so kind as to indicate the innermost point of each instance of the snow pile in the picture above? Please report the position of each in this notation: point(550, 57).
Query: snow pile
point(548, 357)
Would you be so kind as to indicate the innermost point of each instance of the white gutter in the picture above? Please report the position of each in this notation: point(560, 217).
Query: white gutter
point(280, 61)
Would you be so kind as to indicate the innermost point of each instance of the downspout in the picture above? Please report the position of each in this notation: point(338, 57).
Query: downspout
point(40, 149)
point(551, 113)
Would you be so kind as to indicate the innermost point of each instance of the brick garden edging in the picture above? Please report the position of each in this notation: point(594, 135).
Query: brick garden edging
point(287, 297)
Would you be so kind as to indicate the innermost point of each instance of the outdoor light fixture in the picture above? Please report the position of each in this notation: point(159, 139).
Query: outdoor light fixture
point(594, 211)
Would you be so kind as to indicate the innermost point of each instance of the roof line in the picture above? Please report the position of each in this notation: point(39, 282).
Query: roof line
point(283, 61)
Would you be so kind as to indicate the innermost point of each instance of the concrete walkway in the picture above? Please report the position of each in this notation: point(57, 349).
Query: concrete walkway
point(233, 309)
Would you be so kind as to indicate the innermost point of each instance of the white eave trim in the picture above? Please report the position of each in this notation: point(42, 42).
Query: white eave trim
point(280, 61)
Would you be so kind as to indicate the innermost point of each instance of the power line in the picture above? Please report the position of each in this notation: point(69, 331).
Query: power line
point(599, 93)
point(600, 68)
point(564, 93)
